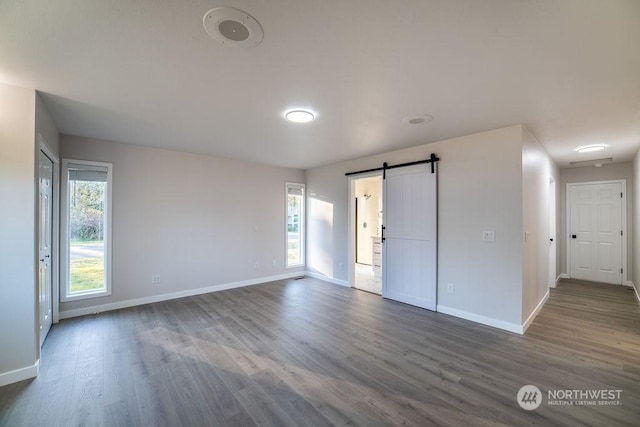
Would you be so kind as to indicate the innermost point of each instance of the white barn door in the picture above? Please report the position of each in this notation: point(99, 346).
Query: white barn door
point(410, 236)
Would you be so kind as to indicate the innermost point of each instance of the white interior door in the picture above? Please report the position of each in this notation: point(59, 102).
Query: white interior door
point(552, 233)
point(595, 232)
point(44, 244)
point(410, 231)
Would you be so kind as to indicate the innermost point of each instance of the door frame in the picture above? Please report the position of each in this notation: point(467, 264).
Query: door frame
point(553, 233)
point(623, 212)
point(351, 254)
point(55, 229)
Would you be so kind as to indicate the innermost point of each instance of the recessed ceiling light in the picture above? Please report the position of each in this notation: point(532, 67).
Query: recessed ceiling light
point(591, 148)
point(232, 27)
point(418, 119)
point(299, 116)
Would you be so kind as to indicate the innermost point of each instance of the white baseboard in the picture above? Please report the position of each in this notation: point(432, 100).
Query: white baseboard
point(174, 295)
point(635, 290)
point(564, 276)
point(489, 321)
point(19, 374)
point(327, 278)
point(535, 312)
point(556, 281)
point(628, 283)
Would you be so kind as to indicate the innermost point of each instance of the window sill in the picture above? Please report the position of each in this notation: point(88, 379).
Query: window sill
point(85, 295)
point(295, 266)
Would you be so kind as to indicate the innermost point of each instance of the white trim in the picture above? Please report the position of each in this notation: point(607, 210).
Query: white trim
point(535, 312)
point(321, 276)
point(623, 212)
point(19, 374)
point(489, 321)
point(64, 242)
point(564, 276)
point(635, 291)
point(174, 295)
point(555, 282)
point(301, 225)
point(628, 283)
point(55, 231)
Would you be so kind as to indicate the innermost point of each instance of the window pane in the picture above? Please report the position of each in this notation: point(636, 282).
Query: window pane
point(295, 225)
point(86, 231)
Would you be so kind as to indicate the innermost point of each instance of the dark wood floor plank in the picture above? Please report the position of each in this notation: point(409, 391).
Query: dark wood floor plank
point(304, 352)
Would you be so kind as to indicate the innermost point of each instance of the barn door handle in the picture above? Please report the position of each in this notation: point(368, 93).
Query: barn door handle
point(573, 236)
point(383, 227)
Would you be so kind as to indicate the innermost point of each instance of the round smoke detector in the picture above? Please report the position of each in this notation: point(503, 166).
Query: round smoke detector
point(232, 27)
point(417, 119)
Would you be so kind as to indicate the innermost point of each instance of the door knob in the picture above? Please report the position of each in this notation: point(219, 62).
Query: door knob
point(573, 236)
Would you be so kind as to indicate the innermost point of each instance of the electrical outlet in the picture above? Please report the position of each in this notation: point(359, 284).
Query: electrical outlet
point(489, 236)
point(155, 279)
point(450, 288)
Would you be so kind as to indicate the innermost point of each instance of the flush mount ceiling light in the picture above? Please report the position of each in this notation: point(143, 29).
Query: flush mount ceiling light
point(591, 148)
point(232, 27)
point(299, 116)
point(418, 119)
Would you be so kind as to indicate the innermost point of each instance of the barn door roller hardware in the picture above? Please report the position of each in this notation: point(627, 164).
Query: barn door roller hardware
point(432, 159)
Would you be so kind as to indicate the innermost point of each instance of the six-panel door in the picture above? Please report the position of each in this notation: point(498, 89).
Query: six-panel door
point(595, 215)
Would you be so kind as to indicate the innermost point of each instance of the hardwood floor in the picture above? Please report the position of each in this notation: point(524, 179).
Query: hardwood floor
point(304, 352)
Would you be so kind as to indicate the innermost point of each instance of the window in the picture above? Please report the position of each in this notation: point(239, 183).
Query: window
point(86, 229)
point(295, 225)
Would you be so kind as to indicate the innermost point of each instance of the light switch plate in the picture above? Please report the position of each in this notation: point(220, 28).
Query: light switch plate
point(488, 236)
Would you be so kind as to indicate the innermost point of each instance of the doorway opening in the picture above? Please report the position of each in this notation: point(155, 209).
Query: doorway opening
point(407, 229)
point(367, 213)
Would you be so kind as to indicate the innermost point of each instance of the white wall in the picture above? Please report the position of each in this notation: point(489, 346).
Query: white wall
point(195, 220)
point(537, 171)
point(46, 126)
point(591, 173)
point(480, 188)
point(18, 338)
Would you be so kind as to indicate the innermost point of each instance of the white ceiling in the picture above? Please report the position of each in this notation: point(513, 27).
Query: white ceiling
point(146, 72)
